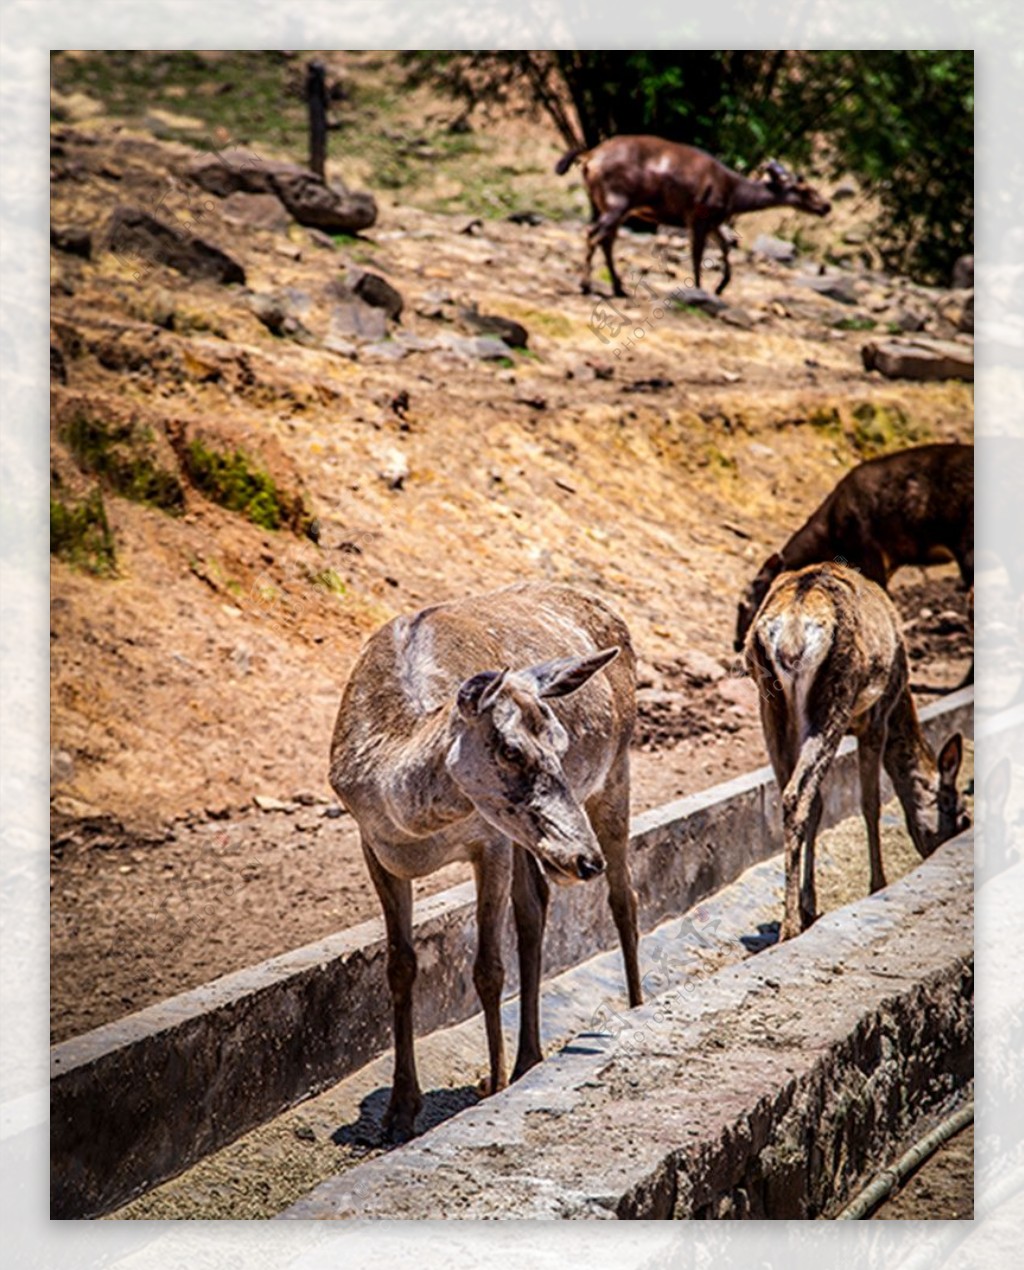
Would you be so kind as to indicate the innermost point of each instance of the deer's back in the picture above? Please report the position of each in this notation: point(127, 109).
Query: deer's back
point(910, 503)
point(666, 177)
point(413, 666)
point(819, 626)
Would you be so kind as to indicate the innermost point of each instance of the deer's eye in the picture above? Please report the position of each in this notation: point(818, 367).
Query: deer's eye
point(509, 753)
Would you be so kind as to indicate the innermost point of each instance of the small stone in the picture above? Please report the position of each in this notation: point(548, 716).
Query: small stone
point(379, 293)
point(777, 249)
point(304, 1133)
point(334, 811)
point(267, 803)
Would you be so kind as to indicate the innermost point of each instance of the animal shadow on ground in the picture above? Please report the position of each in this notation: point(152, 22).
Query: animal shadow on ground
point(767, 935)
point(438, 1105)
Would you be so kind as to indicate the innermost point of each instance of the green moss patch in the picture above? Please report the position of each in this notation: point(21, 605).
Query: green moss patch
point(80, 534)
point(124, 457)
point(234, 481)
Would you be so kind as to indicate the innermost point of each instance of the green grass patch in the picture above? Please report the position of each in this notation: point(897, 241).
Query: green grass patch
point(234, 481)
point(123, 456)
point(81, 534)
point(691, 310)
point(248, 95)
point(879, 429)
point(326, 580)
point(854, 324)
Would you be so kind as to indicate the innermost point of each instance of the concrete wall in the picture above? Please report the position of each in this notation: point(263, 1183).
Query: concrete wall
point(775, 1089)
point(136, 1101)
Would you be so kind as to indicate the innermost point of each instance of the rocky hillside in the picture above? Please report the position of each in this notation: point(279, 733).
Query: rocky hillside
point(269, 436)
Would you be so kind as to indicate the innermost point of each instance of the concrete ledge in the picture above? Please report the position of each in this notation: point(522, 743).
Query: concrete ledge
point(773, 1091)
point(136, 1101)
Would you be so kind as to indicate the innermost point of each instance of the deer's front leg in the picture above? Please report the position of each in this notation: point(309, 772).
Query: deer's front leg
point(493, 871)
point(799, 820)
point(530, 901)
point(396, 899)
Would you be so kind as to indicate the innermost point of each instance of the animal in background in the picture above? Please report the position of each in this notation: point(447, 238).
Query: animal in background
point(912, 507)
point(667, 183)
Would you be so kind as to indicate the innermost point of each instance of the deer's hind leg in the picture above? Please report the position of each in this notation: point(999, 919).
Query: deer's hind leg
point(871, 738)
point(609, 815)
point(603, 231)
point(396, 899)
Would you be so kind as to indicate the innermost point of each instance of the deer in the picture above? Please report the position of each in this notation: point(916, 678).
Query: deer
point(828, 658)
point(666, 183)
point(914, 507)
point(495, 730)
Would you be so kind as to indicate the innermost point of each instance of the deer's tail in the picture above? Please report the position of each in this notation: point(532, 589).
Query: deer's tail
point(567, 160)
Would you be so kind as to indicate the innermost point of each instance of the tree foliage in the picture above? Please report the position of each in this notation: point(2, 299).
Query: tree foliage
point(901, 122)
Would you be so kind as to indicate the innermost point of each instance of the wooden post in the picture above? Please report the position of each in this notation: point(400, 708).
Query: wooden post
point(316, 99)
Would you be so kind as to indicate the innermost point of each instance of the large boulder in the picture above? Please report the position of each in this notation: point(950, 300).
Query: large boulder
point(143, 240)
point(920, 359)
point(313, 203)
point(305, 196)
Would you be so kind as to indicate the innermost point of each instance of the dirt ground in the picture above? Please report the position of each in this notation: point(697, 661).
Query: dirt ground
point(941, 1189)
point(206, 671)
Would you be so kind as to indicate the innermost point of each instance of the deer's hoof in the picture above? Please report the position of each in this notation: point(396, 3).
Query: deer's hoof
point(486, 1086)
point(400, 1122)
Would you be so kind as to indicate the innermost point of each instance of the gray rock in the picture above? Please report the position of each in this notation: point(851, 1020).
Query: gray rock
point(386, 351)
point(379, 293)
point(357, 319)
point(485, 347)
point(920, 359)
point(697, 298)
point(313, 203)
point(737, 317)
point(143, 240)
point(699, 668)
point(261, 211)
point(74, 239)
point(510, 332)
point(839, 288)
point(777, 249)
point(237, 171)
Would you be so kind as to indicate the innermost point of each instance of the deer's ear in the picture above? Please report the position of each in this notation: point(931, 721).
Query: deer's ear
point(950, 757)
point(564, 675)
point(478, 693)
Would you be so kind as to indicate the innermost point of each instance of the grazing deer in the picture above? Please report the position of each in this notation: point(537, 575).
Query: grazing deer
point(481, 730)
point(671, 184)
point(826, 654)
point(912, 507)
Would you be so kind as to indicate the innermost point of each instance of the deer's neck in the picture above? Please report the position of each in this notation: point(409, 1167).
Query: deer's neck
point(910, 763)
point(752, 196)
point(422, 798)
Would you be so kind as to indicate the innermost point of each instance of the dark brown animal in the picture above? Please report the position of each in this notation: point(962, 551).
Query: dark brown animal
point(484, 730)
point(827, 656)
point(673, 184)
point(913, 507)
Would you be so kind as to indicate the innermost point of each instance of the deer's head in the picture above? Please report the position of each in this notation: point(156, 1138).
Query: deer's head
point(507, 755)
point(794, 191)
point(940, 809)
point(753, 597)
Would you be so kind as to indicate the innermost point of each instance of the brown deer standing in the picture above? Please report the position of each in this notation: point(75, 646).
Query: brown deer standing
point(826, 654)
point(672, 184)
point(442, 751)
point(912, 507)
